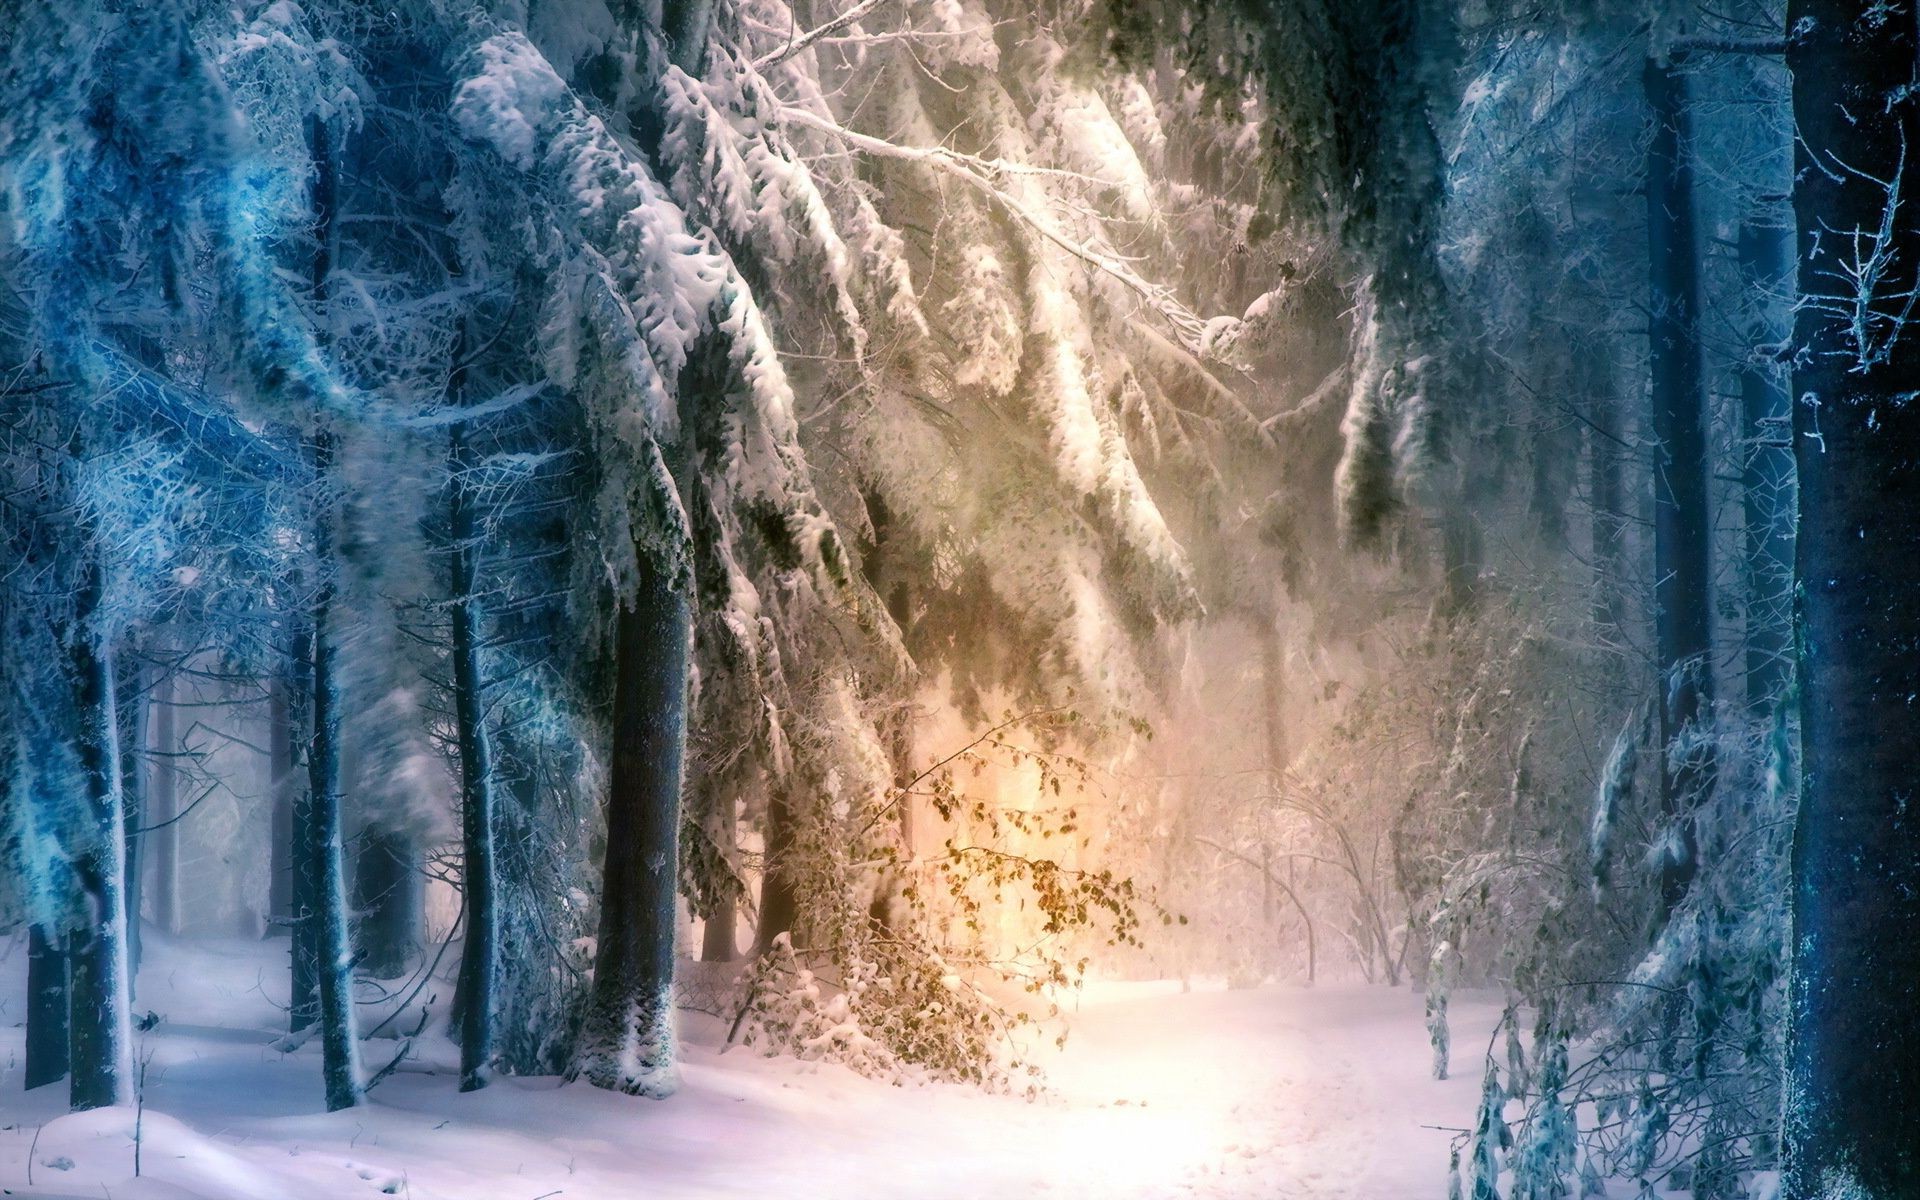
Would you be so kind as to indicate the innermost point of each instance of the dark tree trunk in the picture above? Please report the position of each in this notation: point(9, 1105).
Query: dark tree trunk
point(480, 952)
point(1460, 564)
point(386, 901)
point(98, 1032)
point(685, 23)
point(779, 901)
point(282, 765)
point(339, 1043)
point(1273, 696)
point(304, 853)
point(1595, 381)
point(889, 567)
point(719, 939)
point(1767, 475)
point(1681, 529)
point(46, 1007)
point(1853, 1063)
point(161, 847)
point(331, 942)
point(132, 707)
point(626, 1041)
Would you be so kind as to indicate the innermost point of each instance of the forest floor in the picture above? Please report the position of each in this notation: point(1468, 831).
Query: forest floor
point(1317, 1094)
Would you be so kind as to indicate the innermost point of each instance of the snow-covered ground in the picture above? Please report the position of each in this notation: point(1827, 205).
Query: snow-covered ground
point(1159, 1094)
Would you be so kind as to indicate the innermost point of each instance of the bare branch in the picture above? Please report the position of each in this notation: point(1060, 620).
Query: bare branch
point(768, 61)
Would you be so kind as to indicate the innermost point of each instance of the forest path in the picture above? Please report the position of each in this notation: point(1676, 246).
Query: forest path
point(1280, 1092)
point(1318, 1094)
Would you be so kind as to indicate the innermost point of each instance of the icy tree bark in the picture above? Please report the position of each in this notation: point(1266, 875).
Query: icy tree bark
point(46, 1007)
point(480, 951)
point(330, 940)
point(99, 1038)
point(332, 945)
point(1853, 1065)
point(627, 1040)
point(333, 950)
point(1766, 478)
point(1681, 529)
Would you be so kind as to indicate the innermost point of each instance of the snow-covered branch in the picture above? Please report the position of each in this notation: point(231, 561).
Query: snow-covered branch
point(799, 44)
point(1196, 334)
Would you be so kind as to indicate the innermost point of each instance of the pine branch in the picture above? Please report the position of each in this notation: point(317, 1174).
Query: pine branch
point(768, 61)
point(1190, 328)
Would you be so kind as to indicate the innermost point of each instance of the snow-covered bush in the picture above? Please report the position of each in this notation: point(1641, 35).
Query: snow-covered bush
point(957, 956)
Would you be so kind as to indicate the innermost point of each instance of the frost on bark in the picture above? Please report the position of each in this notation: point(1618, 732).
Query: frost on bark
point(332, 945)
point(98, 1033)
point(627, 1040)
point(479, 967)
point(1853, 1063)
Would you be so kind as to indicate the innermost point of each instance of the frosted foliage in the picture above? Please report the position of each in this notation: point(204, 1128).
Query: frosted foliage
point(1142, 133)
point(819, 224)
point(967, 39)
point(1074, 129)
point(747, 183)
point(1363, 477)
point(634, 236)
point(982, 313)
point(278, 75)
point(1028, 181)
point(639, 285)
point(508, 99)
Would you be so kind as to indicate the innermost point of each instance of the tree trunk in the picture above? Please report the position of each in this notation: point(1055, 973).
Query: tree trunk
point(1766, 477)
point(339, 1043)
point(99, 1045)
point(303, 950)
point(386, 901)
point(1273, 695)
point(480, 952)
point(627, 1039)
point(161, 848)
point(1681, 530)
point(1604, 444)
point(1460, 564)
point(132, 706)
point(332, 944)
point(46, 1007)
point(1853, 1063)
point(719, 940)
point(281, 767)
point(779, 902)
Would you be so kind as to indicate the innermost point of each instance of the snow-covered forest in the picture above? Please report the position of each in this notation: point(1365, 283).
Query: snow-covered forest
point(957, 598)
